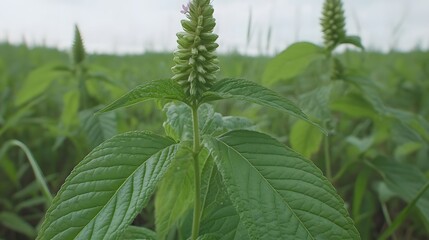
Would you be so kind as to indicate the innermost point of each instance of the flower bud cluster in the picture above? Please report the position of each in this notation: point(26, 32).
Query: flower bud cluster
point(78, 49)
point(195, 59)
point(333, 23)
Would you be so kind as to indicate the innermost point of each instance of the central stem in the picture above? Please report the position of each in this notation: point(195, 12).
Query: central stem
point(195, 152)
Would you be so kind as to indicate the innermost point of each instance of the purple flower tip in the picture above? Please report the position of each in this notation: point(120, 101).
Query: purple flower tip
point(185, 8)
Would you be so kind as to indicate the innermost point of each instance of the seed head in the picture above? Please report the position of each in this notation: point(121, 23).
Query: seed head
point(195, 59)
point(78, 49)
point(333, 23)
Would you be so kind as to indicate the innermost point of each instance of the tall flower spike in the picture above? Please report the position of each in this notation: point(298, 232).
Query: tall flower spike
point(195, 59)
point(333, 23)
point(78, 49)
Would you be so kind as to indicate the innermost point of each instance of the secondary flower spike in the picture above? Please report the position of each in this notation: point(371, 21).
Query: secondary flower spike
point(195, 59)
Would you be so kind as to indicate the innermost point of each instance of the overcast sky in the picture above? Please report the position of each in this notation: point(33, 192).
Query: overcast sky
point(134, 26)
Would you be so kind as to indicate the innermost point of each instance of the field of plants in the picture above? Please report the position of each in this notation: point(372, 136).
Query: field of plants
point(364, 123)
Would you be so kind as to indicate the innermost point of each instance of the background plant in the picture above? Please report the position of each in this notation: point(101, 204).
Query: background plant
point(368, 134)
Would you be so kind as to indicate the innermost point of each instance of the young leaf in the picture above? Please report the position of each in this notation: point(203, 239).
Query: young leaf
point(245, 90)
point(105, 191)
point(305, 138)
point(291, 62)
point(178, 124)
point(276, 192)
point(353, 40)
point(98, 127)
point(160, 89)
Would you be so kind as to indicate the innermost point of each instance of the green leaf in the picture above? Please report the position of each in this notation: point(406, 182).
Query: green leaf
point(138, 233)
point(35, 84)
point(291, 62)
point(237, 123)
point(405, 180)
point(245, 90)
point(219, 219)
point(277, 192)
point(178, 124)
point(316, 102)
point(166, 89)
point(360, 187)
point(107, 189)
point(353, 40)
point(98, 127)
point(71, 107)
point(305, 138)
point(175, 194)
point(17, 224)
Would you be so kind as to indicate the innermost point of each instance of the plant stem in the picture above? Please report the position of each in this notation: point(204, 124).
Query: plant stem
point(195, 152)
point(387, 217)
point(327, 158)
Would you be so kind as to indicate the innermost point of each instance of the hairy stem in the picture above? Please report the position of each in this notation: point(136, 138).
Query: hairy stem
point(195, 152)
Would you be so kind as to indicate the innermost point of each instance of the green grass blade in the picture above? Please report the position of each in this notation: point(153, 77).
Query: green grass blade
point(403, 214)
point(36, 169)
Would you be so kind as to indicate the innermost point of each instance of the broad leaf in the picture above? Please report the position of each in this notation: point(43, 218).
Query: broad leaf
point(36, 83)
point(245, 90)
point(98, 127)
point(276, 192)
point(405, 180)
point(291, 62)
point(219, 220)
point(175, 194)
point(138, 233)
point(105, 191)
point(305, 138)
point(166, 89)
point(316, 102)
point(70, 109)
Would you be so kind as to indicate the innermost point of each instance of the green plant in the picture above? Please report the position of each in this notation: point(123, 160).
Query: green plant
point(364, 125)
point(244, 183)
point(9, 216)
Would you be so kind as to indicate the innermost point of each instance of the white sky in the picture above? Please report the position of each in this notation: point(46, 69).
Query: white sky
point(124, 26)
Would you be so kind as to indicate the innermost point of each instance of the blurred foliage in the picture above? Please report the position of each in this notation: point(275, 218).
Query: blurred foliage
point(376, 111)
